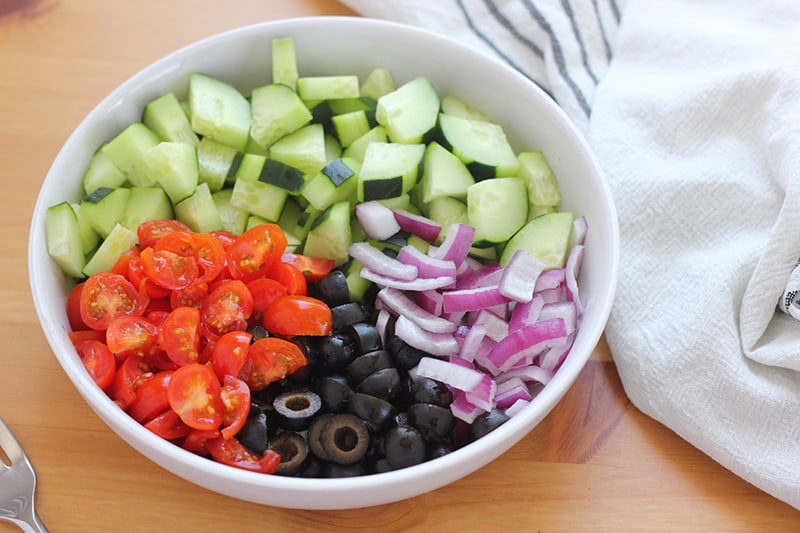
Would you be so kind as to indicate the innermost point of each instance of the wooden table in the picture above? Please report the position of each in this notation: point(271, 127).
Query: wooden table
point(596, 463)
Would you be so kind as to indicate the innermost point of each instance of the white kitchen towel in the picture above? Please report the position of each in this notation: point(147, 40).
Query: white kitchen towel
point(693, 108)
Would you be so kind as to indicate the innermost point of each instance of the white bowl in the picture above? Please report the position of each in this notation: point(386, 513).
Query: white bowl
point(337, 45)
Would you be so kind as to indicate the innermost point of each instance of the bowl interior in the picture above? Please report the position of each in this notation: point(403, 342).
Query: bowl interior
point(341, 45)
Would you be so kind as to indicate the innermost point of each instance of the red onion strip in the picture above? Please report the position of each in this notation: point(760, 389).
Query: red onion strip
point(380, 263)
point(533, 337)
point(518, 278)
point(472, 299)
point(452, 374)
point(442, 344)
point(427, 266)
point(402, 305)
point(420, 284)
point(456, 244)
point(377, 220)
point(418, 225)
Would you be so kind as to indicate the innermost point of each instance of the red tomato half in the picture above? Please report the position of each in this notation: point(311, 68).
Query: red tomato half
point(298, 315)
point(290, 277)
point(128, 335)
point(232, 453)
point(168, 425)
point(264, 292)
point(130, 374)
point(168, 268)
point(74, 308)
point(254, 252)
point(151, 397)
point(229, 353)
point(106, 296)
point(99, 362)
point(151, 231)
point(180, 335)
point(226, 308)
point(313, 268)
point(194, 393)
point(191, 296)
point(235, 395)
point(270, 359)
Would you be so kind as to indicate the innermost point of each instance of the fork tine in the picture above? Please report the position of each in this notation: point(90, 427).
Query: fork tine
point(11, 447)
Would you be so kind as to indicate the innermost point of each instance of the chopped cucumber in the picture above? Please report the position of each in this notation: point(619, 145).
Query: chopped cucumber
point(389, 170)
point(284, 62)
point(543, 190)
point(120, 239)
point(283, 175)
point(173, 166)
point(219, 111)
point(336, 182)
point(64, 240)
point(258, 198)
point(443, 174)
point(102, 172)
point(328, 87)
point(378, 83)
point(455, 106)
point(446, 211)
point(330, 235)
point(233, 219)
point(199, 211)
point(483, 146)
point(105, 208)
point(304, 149)
point(129, 145)
point(165, 116)
point(215, 162)
point(497, 209)
point(410, 112)
point(350, 126)
point(277, 111)
point(89, 237)
point(546, 237)
point(146, 203)
point(358, 148)
point(348, 105)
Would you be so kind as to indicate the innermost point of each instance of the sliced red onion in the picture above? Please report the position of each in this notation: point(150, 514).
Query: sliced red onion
point(402, 305)
point(378, 262)
point(381, 323)
point(550, 279)
point(525, 313)
point(430, 300)
point(579, 229)
point(427, 266)
point(421, 226)
point(532, 338)
point(472, 299)
point(496, 326)
point(564, 310)
point(473, 342)
point(531, 373)
point(377, 220)
point(518, 278)
point(452, 374)
point(516, 407)
point(484, 276)
point(419, 284)
point(442, 344)
point(463, 409)
point(554, 357)
point(573, 269)
point(456, 244)
point(483, 395)
point(509, 391)
point(550, 296)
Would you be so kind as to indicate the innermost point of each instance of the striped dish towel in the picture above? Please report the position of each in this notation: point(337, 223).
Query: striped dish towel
point(693, 109)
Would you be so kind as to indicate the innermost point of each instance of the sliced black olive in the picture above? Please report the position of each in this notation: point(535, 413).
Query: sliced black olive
point(376, 412)
point(439, 449)
point(333, 470)
point(258, 332)
point(332, 289)
point(293, 449)
point(405, 357)
point(427, 390)
point(384, 383)
point(364, 365)
point(486, 423)
point(365, 336)
point(348, 314)
point(254, 435)
point(297, 408)
point(334, 352)
point(404, 446)
point(334, 392)
point(436, 423)
point(345, 439)
point(314, 434)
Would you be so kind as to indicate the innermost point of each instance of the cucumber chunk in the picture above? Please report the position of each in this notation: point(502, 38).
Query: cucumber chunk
point(483, 146)
point(105, 208)
point(358, 148)
point(410, 112)
point(497, 209)
point(258, 198)
point(378, 83)
point(328, 87)
point(102, 172)
point(64, 241)
point(284, 62)
point(336, 182)
point(546, 237)
point(146, 203)
point(444, 174)
point(219, 111)
point(283, 175)
point(233, 219)
point(350, 126)
point(127, 148)
point(389, 170)
point(173, 166)
point(165, 116)
point(331, 236)
point(277, 111)
point(119, 241)
point(455, 106)
point(199, 211)
point(543, 189)
point(215, 161)
point(304, 149)
point(89, 237)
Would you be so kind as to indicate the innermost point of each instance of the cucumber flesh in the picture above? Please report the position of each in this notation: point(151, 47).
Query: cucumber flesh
point(389, 170)
point(165, 116)
point(105, 208)
point(233, 219)
point(219, 111)
point(199, 211)
point(173, 166)
point(129, 145)
point(378, 83)
point(328, 87)
point(543, 190)
point(102, 172)
point(444, 174)
point(497, 209)
point(64, 241)
point(331, 236)
point(284, 62)
point(214, 163)
point(119, 241)
point(546, 237)
point(277, 111)
point(410, 112)
point(481, 145)
point(304, 149)
point(146, 203)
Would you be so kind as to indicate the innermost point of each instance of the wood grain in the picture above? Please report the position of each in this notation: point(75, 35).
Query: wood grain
point(595, 463)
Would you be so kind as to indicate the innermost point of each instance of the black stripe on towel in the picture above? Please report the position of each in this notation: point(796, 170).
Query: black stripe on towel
point(579, 39)
point(603, 34)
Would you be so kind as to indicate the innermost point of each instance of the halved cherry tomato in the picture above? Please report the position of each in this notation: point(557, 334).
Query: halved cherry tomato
point(229, 353)
point(232, 453)
point(290, 277)
point(168, 425)
point(180, 335)
point(313, 268)
point(74, 308)
point(191, 296)
point(169, 269)
point(151, 397)
point(121, 265)
point(210, 254)
point(270, 359)
point(235, 395)
point(226, 308)
point(254, 252)
point(264, 291)
point(105, 296)
point(194, 393)
point(298, 315)
point(99, 362)
point(138, 276)
point(130, 374)
point(86, 334)
point(196, 439)
point(158, 305)
point(224, 236)
point(151, 231)
point(128, 335)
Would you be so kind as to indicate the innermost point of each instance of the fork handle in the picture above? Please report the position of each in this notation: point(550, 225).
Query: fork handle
point(29, 522)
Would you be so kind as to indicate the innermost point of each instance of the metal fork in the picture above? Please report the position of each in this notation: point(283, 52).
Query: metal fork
point(17, 485)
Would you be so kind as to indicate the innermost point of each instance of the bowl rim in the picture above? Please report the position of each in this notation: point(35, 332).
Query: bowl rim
point(435, 473)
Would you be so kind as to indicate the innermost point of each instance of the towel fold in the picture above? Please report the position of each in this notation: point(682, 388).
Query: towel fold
point(693, 109)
